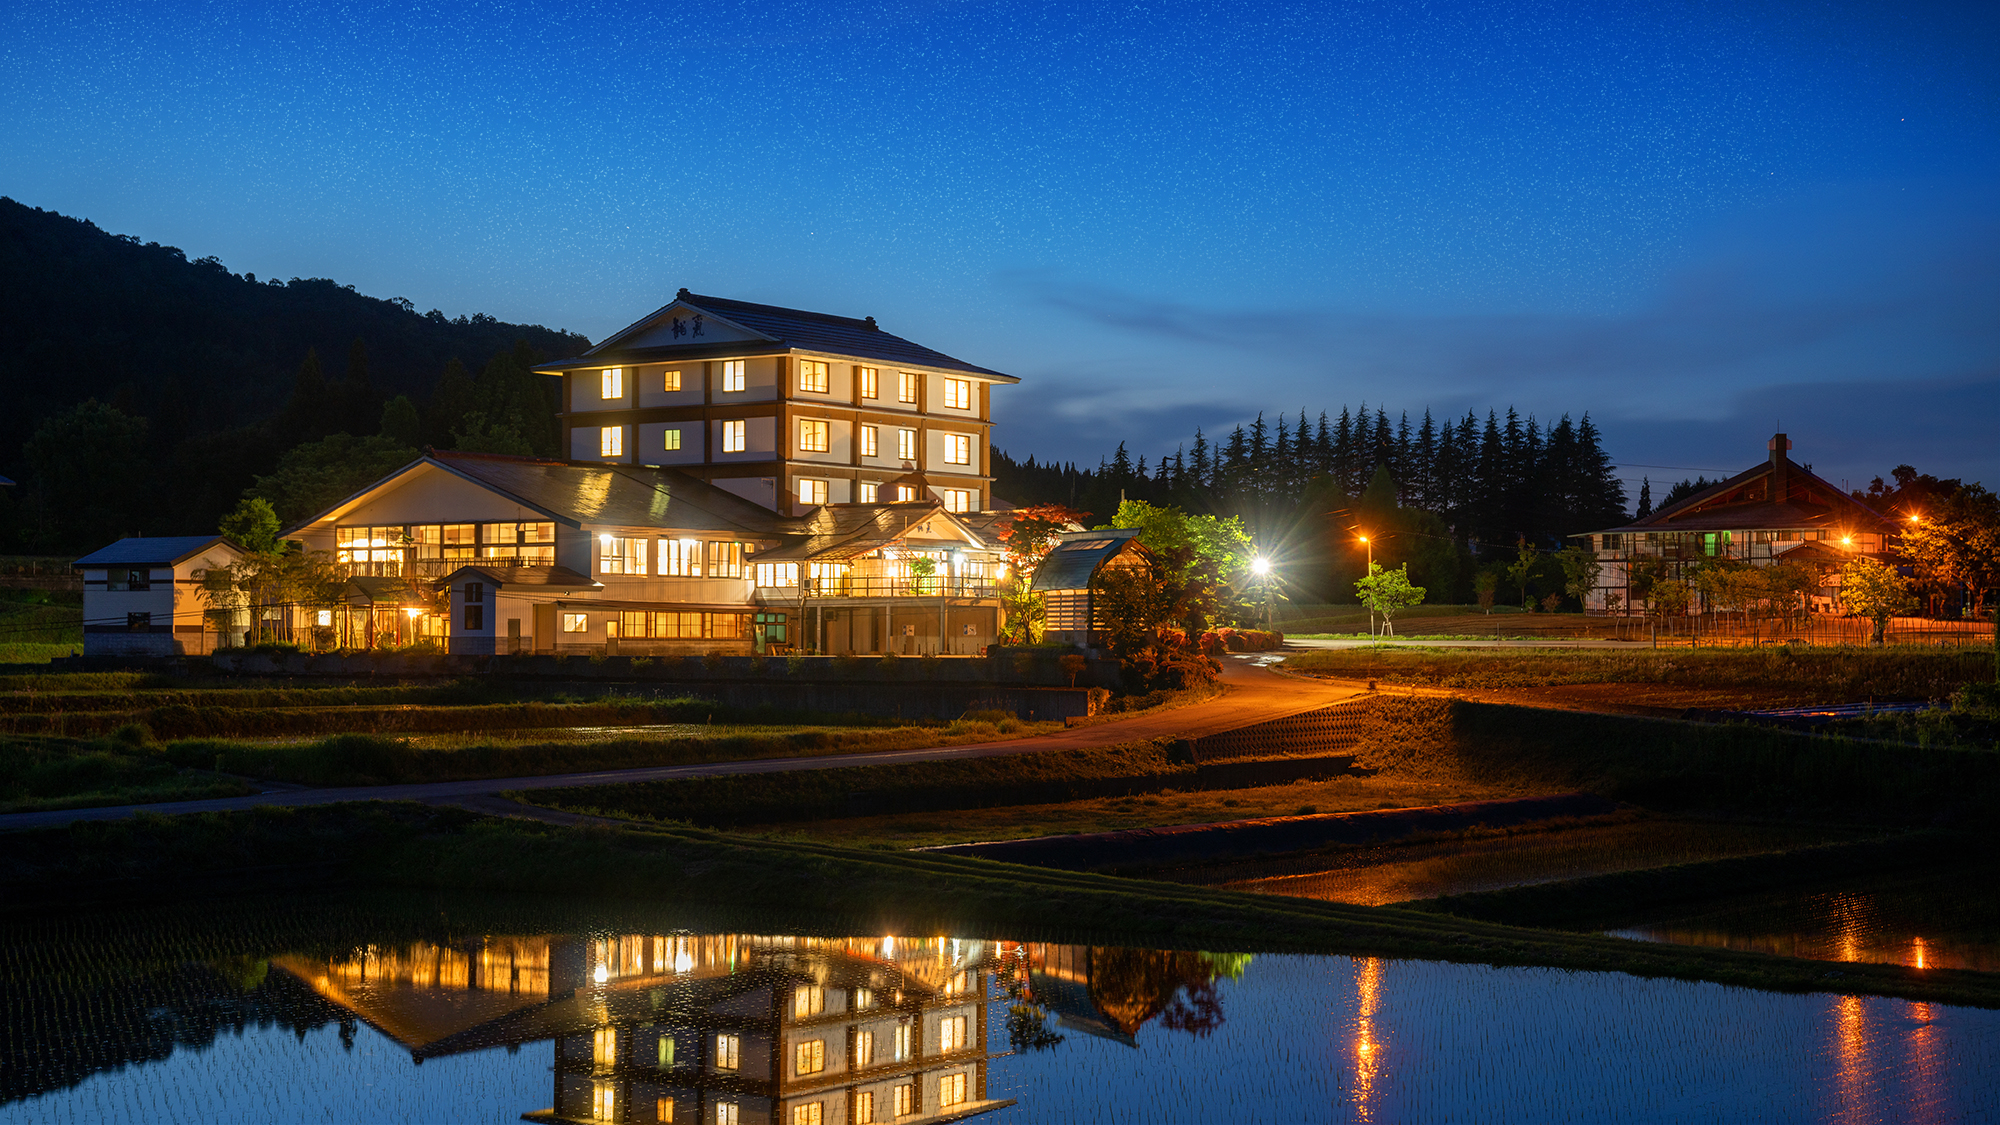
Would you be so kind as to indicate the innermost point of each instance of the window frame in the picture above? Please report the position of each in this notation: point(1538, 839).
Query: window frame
point(813, 490)
point(735, 380)
point(611, 384)
point(958, 500)
point(870, 379)
point(906, 444)
point(815, 435)
point(670, 440)
point(869, 492)
point(611, 441)
point(907, 388)
point(670, 381)
point(958, 449)
point(958, 394)
point(871, 441)
point(815, 377)
point(735, 435)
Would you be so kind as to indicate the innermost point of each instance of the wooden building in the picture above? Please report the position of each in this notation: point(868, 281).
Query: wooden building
point(1070, 611)
point(143, 597)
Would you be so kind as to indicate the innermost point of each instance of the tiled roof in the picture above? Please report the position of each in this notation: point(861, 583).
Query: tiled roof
point(789, 330)
point(1809, 503)
point(845, 531)
point(164, 550)
point(620, 495)
point(531, 576)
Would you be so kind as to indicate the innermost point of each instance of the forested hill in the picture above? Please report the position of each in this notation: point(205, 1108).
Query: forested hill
point(199, 353)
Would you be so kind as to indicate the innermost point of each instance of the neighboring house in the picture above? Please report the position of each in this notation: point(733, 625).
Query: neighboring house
point(143, 597)
point(787, 408)
point(1777, 511)
point(1070, 612)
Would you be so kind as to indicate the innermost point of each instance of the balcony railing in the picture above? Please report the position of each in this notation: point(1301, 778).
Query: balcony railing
point(867, 586)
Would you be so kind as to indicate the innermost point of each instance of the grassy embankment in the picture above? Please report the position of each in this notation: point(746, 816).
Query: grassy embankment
point(36, 626)
point(830, 889)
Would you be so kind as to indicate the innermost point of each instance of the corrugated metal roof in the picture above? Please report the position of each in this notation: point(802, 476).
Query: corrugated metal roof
point(795, 329)
point(163, 550)
point(619, 495)
point(1077, 555)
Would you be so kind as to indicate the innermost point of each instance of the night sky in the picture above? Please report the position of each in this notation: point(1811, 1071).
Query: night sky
point(1697, 222)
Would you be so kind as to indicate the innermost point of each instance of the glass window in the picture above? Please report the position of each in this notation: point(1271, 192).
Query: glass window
point(871, 382)
point(604, 1046)
point(813, 377)
point(951, 1089)
point(620, 555)
point(732, 436)
point(813, 435)
point(611, 441)
point(725, 1112)
point(671, 440)
point(666, 1053)
point(902, 1043)
point(951, 1034)
point(811, 1113)
point(957, 449)
point(905, 493)
point(680, 558)
point(727, 1048)
point(613, 383)
point(670, 381)
point(812, 491)
point(957, 499)
point(635, 623)
point(809, 1057)
point(475, 617)
point(868, 489)
point(864, 1107)
point(604, 1101)
point(906, 1099)
point(906, 444)
point(728, 626)
point(808, 1000)
point(864, 1049)
point(725, 560)
point(777, 575)
point(732, 375)
point(575, 623)
point(871, 441)
point(663, 1110)
point(958, 394)
point(907, 391)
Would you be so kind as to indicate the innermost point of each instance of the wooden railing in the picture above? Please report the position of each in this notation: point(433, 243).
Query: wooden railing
point(870, 586)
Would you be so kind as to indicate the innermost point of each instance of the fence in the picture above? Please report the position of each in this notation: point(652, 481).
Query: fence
point(1725, 630)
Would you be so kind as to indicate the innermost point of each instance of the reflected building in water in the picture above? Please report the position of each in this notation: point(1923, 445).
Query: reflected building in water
point(729, 1029)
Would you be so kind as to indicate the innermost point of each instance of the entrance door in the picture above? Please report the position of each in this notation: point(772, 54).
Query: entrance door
point(545, 628)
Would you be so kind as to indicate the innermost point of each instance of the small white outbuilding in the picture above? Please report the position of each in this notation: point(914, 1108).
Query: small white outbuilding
point(142, 597)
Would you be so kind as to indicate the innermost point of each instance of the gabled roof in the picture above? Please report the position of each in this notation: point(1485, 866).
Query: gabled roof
point(771, 330)
point(846, 531)
point(162, 551)
point(1778, 495)
point(1077, 555)
point(579, 494)
point(520, 576)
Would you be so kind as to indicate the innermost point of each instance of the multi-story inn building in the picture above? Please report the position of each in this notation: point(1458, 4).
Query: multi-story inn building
point(1776, 511)
point(789, 409)
point(744, 478)
point(718, 1029)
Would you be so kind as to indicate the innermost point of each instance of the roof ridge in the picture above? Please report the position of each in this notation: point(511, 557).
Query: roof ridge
point(469, 455)
point(856, 321)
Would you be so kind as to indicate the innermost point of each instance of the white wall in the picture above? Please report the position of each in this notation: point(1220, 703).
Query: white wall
point(653, 449)
point(760, 441)
point(757, 490)
point(652, 383)
point(760, 381)
point(934, 397)
point(839, 442)
point(586, 444)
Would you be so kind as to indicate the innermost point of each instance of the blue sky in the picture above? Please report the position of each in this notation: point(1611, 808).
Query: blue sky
point(1695, 221)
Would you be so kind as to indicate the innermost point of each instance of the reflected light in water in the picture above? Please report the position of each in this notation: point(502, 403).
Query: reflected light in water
point(1851, 1044)
point(1368, 984)
point(1920, 953)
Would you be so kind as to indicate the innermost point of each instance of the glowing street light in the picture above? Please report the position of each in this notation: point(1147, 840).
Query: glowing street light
point(1261, 566)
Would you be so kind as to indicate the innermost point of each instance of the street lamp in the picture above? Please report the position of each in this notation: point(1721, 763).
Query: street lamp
point(1368, 543)
point(1261, 567)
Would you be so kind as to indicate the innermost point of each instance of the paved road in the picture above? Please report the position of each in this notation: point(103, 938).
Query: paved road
point(1467, 642)
point(1255, 694)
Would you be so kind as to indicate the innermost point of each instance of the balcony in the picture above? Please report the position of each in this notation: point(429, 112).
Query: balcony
point(858, 586)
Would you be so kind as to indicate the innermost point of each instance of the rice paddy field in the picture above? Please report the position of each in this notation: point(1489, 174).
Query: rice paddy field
point(355, 1010)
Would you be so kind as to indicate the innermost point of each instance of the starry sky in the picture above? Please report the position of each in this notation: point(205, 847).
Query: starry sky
point(1699, 222)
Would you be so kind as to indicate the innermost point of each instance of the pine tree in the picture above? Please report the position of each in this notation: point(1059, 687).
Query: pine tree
point(1645, 498)
point(451, 400)
point(1323, 447)
point(1343, 454)
point(1203, 472)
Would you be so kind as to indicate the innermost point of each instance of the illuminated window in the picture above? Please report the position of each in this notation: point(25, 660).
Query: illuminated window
point(905, 493)
point(906, 444)
point(680, 558)
point(611, 441)
point(732, 375)
point(808, 1000)
point(871, 441)
point(951, 1034)
point(670, 381)
point(868, 490)
point(812, 491)
point(813, 376)
point(871, 382)
point(864, 1048)
point(732, 436)
point(620, 555)
point(727, 1048)
point(907, 391)
point(777, 575)
point(612, 384)
point(957, 449)
point(957, 499)
point(906, 1099)
point(951, 1089)
point(725, 1113)
point(575, 623)
point(725, 560)
point(635, 623)
point(958, 394)
point(663, 1111)
point(603, 1102)
point(604, 1046)
point(809, 1057)
point(902, 1047)
point(811, 1113)
point(864, 1108)
point(728, 626)
point(813, 435)
point(864, 999)
point(667, 1059)
point(670, 440)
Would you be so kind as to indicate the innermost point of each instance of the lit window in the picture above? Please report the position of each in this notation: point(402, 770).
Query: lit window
point(905, 493)
point(864, 1107)
point(811, 1113)
point(603, 1102)
point(957, 499)
point(323, 618)
point(727, 1048)
point(957, 449)
point(725, 560)
point(907, 391)
point(725, 1113)
point(906, 1099)
point(810, 1057)
point(958, 394)
point(812, 491)
point(732, 375)
point(906, 444)
point(604, 1046)
point(951, 1089)
point(902, 1048)
point(777, 575)
point(670, 381)
point(619, 555)
point(808, 1000)
point(871, 382)
point(732, 436)
point(611, 441)
point(864, 1048)
point(951, 1034)
point(575, 623)
point(871, 441)
point(663, 1111)
point(864, 998)
point(671, 440)
point(813, 435)
point(868, 490)
point(667, 1059)
point(813, 376)
point(680, 558)
point(612, 384)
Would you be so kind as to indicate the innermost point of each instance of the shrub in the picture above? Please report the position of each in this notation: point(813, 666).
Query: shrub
point(712, 660)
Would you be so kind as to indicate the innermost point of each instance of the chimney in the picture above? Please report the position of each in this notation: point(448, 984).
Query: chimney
point(1780, 489)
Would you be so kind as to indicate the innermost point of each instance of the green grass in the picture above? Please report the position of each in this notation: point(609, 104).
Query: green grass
point(1834, 673)
point(38, 774)
point(37, 626)
point(827, 888)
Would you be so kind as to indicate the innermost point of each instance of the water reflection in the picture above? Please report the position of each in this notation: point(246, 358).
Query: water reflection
point(1367, 988)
